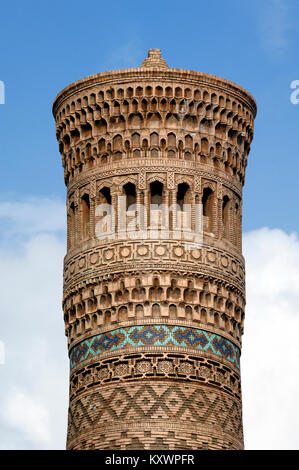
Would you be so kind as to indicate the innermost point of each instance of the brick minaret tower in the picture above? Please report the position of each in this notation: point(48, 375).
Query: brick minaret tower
point(154, 323)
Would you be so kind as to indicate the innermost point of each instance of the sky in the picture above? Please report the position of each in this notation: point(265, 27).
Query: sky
point(44, 46)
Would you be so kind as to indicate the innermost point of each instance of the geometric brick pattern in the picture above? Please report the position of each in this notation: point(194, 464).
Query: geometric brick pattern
point(178, 367)
point(155, 335)
point(149, 402)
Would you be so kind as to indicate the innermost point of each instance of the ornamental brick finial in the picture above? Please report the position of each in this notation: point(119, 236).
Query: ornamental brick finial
point(154, 59)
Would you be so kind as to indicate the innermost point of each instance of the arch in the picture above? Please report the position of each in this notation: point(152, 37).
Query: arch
point(220, 130)
point(172, 120)
point(156, 191)
point(153, 120)
point(205, 146)
point(107, 317)
point(102, 145)
point(190, 123)
point(139, 311)
point(136, 153)
point(154, 104)
point(207, 207)
point(188, 313)
point(86, 130)
point(172, 311)
point(66, 139)
point(85, 208)
point(125, 106)
point(129, 92)
point(122, 314)
point(218, 149)
point(206, 126)
point(134, 105)
point(103, 213)
point(163, 104)
point(203, 315)
point(189, 142)
point(75, 134)
point(178, 92)
point(105, 195)
point(71, 226)
point(129, 190)
point(183, 195)
point(155, 310)
point(116, 108)
point(148, 91)
point(154, 139)
point(206, 96)
point(171, 154)
point(197, 94)
point(144, 104)
point(184, 212)
point(225, 216)
point(214, 98)
point(135, 121)
point(135, 139)
point(171, 140)
point(172, 105)
point(168, 91)
point(106, 109)
point(117, 142)
point(117, 123)
point(100, 126)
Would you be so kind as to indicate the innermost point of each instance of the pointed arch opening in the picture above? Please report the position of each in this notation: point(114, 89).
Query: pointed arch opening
point(225, 216)
point(85, 208)
point(207, 209)
point(130, 193)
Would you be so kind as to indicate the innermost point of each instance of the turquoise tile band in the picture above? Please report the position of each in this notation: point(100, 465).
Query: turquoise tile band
point(155, 335)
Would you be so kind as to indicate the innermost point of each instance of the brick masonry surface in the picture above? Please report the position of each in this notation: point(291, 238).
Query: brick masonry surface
point(154, 319)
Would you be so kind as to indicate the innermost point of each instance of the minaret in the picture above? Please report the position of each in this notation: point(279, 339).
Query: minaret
point(154, 162)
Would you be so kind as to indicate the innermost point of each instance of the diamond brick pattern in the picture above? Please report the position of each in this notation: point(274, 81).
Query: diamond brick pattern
point(196, 406)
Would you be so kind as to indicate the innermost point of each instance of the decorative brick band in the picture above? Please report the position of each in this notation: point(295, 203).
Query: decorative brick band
point(155, 335)
point(148, 365)
point(153, 406)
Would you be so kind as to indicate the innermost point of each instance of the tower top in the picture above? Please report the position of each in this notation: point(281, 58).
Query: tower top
point(154, 59)
point(153, 68)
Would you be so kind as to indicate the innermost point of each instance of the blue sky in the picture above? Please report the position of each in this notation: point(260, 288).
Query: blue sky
point(47, 45)
point(44, 46)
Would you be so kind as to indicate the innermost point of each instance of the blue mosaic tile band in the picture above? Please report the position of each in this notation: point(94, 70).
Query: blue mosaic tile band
point(155, 335)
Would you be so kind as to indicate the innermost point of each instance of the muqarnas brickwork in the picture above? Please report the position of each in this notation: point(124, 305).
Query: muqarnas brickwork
point(154, 324)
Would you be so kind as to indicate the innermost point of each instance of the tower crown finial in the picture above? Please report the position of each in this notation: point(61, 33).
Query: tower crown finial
point(154, 59)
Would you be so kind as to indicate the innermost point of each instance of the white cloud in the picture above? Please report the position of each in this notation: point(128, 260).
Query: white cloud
point(34, 398)
point(26, 414)
point(270, 356)
point(35, 372)
point(275, 24)
point(33, 216)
